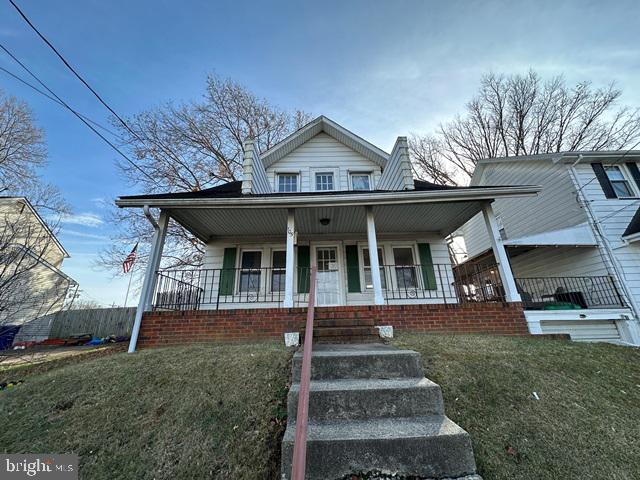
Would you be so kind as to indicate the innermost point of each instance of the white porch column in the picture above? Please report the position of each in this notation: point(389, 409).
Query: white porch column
point(500, 254)
point(373, 258)
point(289, 265)
point(150, 277)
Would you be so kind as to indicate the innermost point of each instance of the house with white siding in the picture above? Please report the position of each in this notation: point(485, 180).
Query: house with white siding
point(32, 283)
point(574, 249)
point(322, 200)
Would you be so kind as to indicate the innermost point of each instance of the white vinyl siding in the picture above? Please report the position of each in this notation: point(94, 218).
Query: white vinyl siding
point(614, 216)
point(554, 208)
point(558, 262)
point(323, 153)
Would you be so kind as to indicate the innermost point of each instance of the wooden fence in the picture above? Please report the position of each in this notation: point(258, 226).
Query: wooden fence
point(99, 322)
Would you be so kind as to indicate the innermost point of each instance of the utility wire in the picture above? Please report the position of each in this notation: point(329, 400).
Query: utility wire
point(53, 99)
point(86, 84)
point(62, 102)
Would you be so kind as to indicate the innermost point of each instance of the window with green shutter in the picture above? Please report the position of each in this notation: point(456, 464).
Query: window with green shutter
point(228, 274)
point(304, 265)
point(353, 269)
point(426, 262)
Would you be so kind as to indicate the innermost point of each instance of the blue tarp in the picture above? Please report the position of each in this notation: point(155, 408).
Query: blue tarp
point(7, 334)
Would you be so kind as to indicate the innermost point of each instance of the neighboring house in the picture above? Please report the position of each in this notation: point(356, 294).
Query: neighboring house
point(31, 281)
point(574, 249)
point(324, 197)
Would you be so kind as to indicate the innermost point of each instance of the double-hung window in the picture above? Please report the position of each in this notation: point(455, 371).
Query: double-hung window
point(287, 182)
point(250, 271)
point(406, 276)
point(324, 181)
point(366, 262)
point(278, 264)
point(360, 181)
point(619, 182)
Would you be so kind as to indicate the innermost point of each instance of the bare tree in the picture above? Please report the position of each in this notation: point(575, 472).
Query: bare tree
point(190, 147)
point(22, 154)
point(524, 115)
point(30, 283)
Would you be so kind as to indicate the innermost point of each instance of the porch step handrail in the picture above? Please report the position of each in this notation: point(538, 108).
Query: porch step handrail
point(300, 442)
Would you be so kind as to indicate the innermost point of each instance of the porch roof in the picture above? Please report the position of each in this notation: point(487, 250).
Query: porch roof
point(224, 211)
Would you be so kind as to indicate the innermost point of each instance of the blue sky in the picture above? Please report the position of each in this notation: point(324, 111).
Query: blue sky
point(380, 68)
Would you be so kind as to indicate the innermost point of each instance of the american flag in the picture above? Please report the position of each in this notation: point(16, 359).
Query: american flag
point(128, 262)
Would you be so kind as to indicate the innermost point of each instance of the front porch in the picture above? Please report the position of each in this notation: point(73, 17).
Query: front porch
point(368, 248)
point(344, 278)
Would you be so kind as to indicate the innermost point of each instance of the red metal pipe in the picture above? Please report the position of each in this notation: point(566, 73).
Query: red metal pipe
point(300, 443)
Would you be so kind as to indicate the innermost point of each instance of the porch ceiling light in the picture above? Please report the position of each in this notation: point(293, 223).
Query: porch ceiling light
point(324, 221)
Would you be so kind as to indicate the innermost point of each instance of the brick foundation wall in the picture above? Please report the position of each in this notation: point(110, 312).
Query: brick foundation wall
point(193, 326)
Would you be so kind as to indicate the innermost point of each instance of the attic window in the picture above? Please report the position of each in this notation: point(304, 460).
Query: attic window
point(360, 181)
point(324, 181)
point(288, 182)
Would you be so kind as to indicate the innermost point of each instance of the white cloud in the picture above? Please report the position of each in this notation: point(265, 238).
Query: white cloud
point(76, 233)
point(86, 219)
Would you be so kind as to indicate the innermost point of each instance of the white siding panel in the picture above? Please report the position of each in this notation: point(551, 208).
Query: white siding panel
point(554, 208)
point(323, 153)
point(558, 262)
point(588, 331)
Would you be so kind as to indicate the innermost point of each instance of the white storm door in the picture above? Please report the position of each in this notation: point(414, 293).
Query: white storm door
point(328, 276)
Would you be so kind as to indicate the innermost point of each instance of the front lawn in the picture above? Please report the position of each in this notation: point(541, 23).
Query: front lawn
point(585, 422)
point(190, 413)
point(216, 411)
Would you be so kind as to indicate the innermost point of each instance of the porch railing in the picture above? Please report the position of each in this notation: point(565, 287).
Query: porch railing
point(569, 292)
point(187, 289)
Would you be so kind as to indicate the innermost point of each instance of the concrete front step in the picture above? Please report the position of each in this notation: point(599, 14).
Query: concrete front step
point(369, 399)
point(425, 447)
point(319, 332)
point(344, 322)
point(332, 362)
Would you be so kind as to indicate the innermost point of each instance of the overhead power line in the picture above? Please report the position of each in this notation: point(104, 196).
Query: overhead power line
point(80, 117)
point(86, 84)
point(55, 100)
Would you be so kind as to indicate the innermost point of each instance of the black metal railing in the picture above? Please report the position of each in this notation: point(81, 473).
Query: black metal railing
point(569, 292)
point(216, 288)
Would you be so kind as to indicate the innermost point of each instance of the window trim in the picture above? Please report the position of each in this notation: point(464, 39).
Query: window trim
point(414, 254)
point(287, 173)
point(367, 173)
point(361, 256)
point(626, 178)
point(273, 270)
point(324, 171)
point(239, 268)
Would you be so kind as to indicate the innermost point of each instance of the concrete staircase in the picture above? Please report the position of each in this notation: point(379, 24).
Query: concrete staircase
point(372, 410)
point(343, 330)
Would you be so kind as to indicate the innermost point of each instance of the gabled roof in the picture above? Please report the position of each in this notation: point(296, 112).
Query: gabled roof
point(331, 128)
point(28, 204)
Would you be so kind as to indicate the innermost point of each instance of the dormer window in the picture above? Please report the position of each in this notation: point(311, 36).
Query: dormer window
point(324, 181)
point(287, 182)
point(360, 181)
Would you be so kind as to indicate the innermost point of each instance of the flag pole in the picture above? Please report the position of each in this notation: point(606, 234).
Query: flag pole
point(126, 298)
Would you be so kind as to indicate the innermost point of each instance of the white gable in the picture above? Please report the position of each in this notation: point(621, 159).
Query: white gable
point(323, 153)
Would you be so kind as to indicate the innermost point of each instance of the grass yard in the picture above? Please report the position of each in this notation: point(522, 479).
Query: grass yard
point(189, 413)
point(586, 423)
point(216, 411)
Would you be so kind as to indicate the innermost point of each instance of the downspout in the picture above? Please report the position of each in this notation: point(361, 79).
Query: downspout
point(595, 226)
point(143, 295)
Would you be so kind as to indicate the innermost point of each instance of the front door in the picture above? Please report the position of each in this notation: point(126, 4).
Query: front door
point(328, 278)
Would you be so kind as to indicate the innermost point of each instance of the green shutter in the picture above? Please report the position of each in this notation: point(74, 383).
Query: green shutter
point(228, 274)
point(353, 269)
point(428, 275)
point(304, 265)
